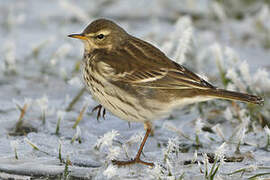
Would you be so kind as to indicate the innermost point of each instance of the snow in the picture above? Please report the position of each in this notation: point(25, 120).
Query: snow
point(40, 77)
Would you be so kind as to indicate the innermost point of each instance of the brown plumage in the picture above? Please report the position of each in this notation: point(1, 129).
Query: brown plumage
point(137, 82)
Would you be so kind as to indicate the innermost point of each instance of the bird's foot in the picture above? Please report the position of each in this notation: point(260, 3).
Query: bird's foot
point(137, 158)
point(99, 109)
point(130, 162)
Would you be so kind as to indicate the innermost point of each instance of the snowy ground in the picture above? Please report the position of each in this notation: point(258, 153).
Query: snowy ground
point(39, 78)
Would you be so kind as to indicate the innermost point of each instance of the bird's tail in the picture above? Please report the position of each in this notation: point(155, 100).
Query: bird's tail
point(231, 95)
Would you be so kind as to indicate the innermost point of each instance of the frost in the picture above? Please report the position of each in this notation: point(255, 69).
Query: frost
point(76, 82)
point(10, 56)
point(228, 114)
point(107, 139)
point(111, 171)
point(244, 116)
point(263, 15)
point(114, 152)
point(217, 52)
point(43, 103)
point(221, 150)
point(61, 114)
point(179, 43)
point(198, 126)
point(135, 138)
point(27, 102)
point(218, 131)
point(195, 156)
point(218, 11)
point(267, 130)
point(240, 135)
point(261, 81)
point(87, 100)
point(76, 10)
point(251, 168)
point(231, 74)
point(230, 55)
point(33, 145)
point(205, 160)
point(37, 58)
point(184, 26)
point(231, 87)
point(63, 73)
point(61, 52)
point(77, 135)
point(14, 144)
point(244, 69)
point(157, 172)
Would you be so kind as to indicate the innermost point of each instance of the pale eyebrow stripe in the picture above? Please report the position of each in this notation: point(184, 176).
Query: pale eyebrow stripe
point(103, 31)
point(91, 34)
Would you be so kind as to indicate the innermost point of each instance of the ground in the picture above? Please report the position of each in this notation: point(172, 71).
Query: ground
point(41, 93)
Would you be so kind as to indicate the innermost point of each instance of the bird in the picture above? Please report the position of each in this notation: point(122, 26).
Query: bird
point(137, 82)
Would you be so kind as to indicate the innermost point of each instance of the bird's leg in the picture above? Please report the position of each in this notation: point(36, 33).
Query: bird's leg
point(104, 113)
point(137, 158)
point(99, 108)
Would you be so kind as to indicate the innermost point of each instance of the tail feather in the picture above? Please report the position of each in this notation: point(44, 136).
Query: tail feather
point(231, 95)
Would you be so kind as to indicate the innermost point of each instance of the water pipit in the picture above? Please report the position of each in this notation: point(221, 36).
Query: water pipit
point(137, 82)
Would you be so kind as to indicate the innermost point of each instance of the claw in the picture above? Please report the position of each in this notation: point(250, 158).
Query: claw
point(99, 108)
point(98, 114)
point(132, 161)
point(137, 158)
point(103, 113)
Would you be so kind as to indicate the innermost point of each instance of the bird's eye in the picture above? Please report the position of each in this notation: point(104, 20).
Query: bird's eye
point(100, 36)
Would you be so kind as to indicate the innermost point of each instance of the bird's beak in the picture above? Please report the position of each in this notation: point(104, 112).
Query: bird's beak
point(78, 36)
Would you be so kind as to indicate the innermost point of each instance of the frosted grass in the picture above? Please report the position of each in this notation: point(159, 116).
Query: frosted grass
point(40, 77)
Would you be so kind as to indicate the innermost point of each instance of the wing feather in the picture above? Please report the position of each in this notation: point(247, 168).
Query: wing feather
point(151, 73)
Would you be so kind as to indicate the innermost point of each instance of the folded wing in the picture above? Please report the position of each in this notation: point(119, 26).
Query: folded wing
point(148, 74)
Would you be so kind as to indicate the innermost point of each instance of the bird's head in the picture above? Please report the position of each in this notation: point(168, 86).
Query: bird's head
point(101, 34)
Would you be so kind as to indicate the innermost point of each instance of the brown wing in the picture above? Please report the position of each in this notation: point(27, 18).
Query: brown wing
point(140, 65)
